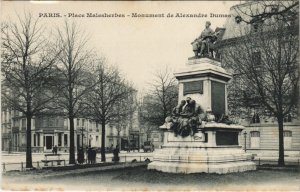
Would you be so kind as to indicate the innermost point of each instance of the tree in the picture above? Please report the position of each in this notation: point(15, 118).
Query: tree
point(264, 10)
point(27, 67)
point(265, 58)
point(161, 99)
point(74, 77)
point(110, 100)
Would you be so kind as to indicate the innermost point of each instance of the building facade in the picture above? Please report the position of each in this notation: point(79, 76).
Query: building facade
point(47, 132)
point(260, 135)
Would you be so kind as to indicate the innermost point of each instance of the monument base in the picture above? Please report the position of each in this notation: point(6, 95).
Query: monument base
point(203, 154)
point(201, 160)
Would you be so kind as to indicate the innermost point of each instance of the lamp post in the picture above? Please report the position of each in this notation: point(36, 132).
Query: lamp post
point(82, 137)
point(9, 145)
point(245, 140)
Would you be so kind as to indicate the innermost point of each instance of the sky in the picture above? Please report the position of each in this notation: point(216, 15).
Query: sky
point(139, 46)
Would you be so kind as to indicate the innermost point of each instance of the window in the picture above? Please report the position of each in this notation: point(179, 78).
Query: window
point(16, 123)
point(78, 121)
point(23, 123)
point(255, 139)
point(96, 138)
point(50, 122)
point(287, 139)
point(38, 139)
point(65, 139)
point(83, 123)
point(23, 139)
point(59, 139)
point(34, 140)
point(288, 118)
point(255, 118)
point(56, 122)
point(44, 122)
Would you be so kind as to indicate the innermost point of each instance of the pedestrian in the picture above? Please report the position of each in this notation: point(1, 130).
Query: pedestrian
point(89, 155)
point(80, 156)
point(93, 155)
point(116, 152)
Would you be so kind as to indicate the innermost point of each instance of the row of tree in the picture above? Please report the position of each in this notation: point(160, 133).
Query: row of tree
point(58, 72)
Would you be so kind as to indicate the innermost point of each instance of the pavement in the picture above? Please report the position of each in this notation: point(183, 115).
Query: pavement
point(140, 179)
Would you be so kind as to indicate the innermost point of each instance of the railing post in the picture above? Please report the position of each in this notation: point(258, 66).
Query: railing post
point(64, 162)
point(125, 158)
point(51, 163)
point(21, 166)
point(4, 167)
point(140, 158)
point(259, 161)
point(37, 164)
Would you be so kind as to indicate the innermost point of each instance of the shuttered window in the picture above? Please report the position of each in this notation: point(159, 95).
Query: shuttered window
point(287, 139)
point(255, 139)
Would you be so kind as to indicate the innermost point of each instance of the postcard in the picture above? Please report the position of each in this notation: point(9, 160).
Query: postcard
point(150, 96)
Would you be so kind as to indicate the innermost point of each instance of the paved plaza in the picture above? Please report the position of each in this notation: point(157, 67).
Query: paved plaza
point(139, 178)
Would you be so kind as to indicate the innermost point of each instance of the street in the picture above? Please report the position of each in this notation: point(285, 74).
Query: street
point(13, 161)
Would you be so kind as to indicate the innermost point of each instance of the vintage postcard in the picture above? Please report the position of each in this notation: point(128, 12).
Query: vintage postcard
point(150, 96)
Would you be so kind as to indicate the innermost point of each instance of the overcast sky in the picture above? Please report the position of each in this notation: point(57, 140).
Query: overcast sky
point(139, 46)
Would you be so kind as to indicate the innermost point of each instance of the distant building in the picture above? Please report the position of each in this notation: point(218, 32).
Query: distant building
point(47, 132)
point(52, 128)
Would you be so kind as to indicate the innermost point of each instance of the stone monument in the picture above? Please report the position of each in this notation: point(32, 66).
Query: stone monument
point(199, 137)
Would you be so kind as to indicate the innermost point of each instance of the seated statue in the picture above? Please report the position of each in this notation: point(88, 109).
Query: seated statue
point(203, 45)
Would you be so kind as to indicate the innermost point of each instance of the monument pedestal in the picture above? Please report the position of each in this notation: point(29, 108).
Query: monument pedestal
point(211, 154)
point(216, 147)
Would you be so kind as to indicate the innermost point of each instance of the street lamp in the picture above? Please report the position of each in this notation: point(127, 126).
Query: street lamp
point(82, 137)
point(9, 145)
point(245, 140)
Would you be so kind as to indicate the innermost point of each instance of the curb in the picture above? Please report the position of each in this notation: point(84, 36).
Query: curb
point(95, 169)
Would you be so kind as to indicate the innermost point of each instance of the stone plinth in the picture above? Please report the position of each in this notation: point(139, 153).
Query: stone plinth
point(205, 81)
point(194, 155)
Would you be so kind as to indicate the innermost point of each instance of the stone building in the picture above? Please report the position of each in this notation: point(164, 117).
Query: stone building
point(47, 131)
point(260, 136)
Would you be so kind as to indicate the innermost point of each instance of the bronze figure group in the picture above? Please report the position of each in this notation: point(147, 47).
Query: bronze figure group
point(185, 118)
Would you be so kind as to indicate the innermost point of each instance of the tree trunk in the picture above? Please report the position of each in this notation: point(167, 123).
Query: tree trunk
point(72, 146)
point(103, 159)
point(281, 140)
point(28, 143)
